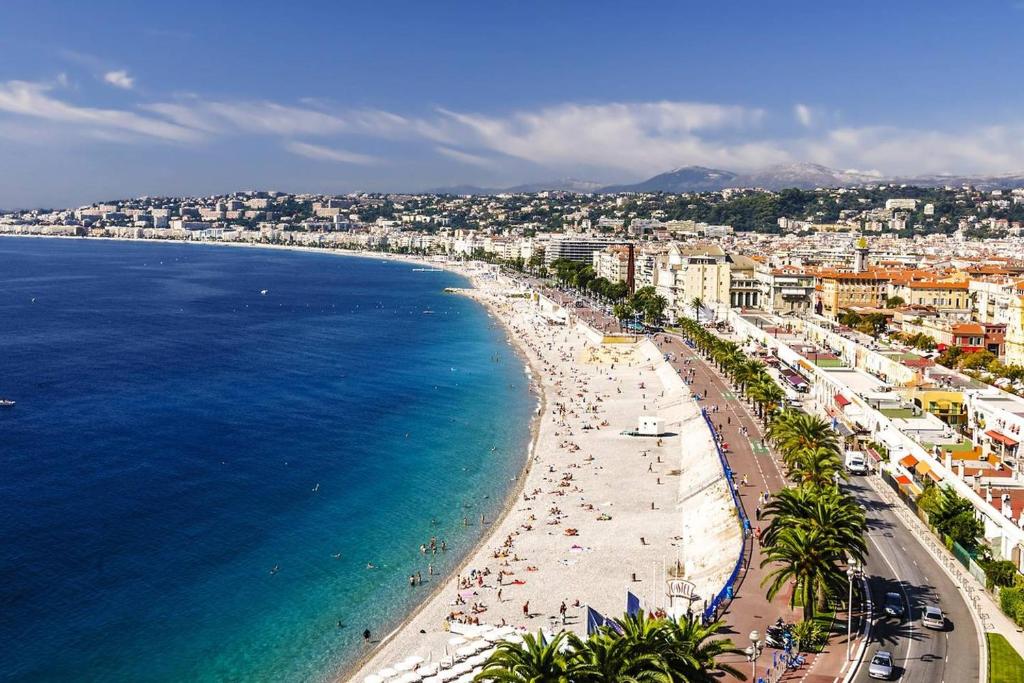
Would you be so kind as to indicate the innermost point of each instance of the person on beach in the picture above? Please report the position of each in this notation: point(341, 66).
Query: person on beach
point(366, 636)
point(526, 609)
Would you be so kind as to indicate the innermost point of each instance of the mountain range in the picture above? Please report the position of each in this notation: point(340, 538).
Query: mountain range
point(780, 176)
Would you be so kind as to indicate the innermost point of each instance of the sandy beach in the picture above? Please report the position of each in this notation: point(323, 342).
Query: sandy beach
point(597, 512)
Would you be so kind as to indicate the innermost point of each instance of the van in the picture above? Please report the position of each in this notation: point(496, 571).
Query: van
point(856, 463)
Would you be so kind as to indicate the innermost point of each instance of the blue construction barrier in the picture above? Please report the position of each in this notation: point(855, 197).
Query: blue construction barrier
point(729, 588)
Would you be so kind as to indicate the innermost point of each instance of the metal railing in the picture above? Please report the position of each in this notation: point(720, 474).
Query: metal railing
point(728, 590)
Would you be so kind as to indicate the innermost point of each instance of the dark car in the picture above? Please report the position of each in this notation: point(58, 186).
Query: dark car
point(893, 605)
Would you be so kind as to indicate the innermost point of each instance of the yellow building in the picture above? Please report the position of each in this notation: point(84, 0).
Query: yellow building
point(938, 294)
point(842, 290)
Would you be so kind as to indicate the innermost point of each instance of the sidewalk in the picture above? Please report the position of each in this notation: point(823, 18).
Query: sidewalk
point(750, 609)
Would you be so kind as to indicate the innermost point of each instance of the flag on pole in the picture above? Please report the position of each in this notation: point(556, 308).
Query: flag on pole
point(595, 620)
point(632, 604)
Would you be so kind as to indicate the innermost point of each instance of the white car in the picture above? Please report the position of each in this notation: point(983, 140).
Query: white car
point(881, 665)
point(933, 618)
point(856, 463)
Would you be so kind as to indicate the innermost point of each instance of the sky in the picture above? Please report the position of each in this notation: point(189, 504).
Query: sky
point(112, 99)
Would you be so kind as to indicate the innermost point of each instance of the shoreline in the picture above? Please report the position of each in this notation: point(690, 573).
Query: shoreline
point(506, 509)
point(511, 495)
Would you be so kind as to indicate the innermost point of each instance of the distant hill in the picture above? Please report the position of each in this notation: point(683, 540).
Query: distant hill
point(802, 175)
point(561, 185)
point(683, 179)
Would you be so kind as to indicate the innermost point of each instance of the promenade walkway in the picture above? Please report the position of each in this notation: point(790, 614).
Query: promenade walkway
point(749, 457)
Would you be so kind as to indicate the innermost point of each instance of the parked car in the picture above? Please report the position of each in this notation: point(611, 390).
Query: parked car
point(881, 665)
point(933, 618)
point(893, 605)
point(856, 463)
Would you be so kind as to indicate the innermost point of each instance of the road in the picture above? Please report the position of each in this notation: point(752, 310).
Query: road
point(898, 563)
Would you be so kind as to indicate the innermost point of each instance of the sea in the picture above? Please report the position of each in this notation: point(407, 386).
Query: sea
point(222, 461)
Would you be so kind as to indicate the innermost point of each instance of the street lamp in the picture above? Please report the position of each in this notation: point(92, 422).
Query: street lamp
point(753, 652)
point(853, 570)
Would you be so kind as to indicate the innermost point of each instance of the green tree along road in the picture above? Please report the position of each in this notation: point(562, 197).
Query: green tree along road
point(636, 649)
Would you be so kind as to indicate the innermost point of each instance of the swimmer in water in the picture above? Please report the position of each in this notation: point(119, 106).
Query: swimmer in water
point(371, 565)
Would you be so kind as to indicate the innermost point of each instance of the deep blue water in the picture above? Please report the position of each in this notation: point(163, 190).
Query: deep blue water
point(172, 424)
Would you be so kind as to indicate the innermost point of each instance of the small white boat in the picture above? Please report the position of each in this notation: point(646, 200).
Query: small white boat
point(6, 403)
point(263, 292)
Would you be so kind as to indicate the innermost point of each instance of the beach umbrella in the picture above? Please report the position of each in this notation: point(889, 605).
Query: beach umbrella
point(387, 672)
point(373, 678)
point(403, 665)
point(477, 660)
point(461, 668)
point(414, 659)
point(465, 651)
point(429, 669)
point(455, 641)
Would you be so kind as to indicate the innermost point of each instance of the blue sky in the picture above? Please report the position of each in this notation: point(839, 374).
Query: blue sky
point(106, 99)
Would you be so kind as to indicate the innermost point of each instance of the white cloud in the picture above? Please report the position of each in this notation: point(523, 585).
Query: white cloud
point(803, 114)
point(33, 100)
point(330, 154)
point(633, 137)
point(119, 79)
point(466, 157)
point(611, 139)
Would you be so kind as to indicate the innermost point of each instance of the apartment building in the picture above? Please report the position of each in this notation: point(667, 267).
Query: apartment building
point(789, 289)
point(841, 290)
point(612, 263)
point(688, 272)
point(575, 248)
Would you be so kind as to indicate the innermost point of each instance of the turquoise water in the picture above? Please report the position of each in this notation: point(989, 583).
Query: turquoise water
point(178, 435)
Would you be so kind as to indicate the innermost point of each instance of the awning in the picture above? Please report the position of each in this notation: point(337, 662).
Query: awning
point(909, 461)
point(843, 429)
point(922, 467)
point(874, 454)
point(1001, 438)
point(903, 480)
point(934, 477)
point(842, 401)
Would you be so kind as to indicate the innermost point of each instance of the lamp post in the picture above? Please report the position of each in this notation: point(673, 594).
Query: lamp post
point(853, 570)
point(753, 652)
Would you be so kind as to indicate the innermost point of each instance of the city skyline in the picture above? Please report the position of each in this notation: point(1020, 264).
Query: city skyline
point(108, 101)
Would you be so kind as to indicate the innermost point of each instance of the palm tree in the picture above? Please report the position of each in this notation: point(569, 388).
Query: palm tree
point(693, 654)
point(607, 657)
point(748, 372)
point(808, 560)
point(819, 466)
point(767, 395)
point(829, 510)
point(793, 432)
point(534, 661)
point(698, 306)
